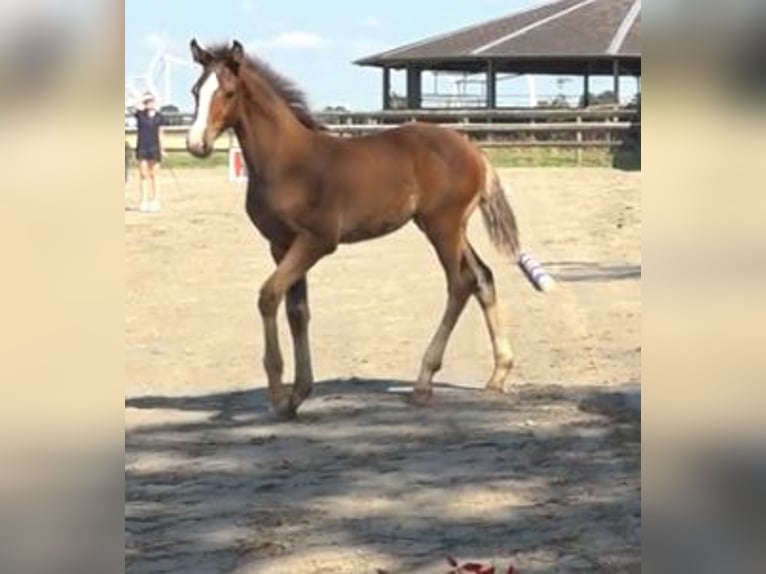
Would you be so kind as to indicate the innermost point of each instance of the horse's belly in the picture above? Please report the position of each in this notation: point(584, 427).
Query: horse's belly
point(372, 227)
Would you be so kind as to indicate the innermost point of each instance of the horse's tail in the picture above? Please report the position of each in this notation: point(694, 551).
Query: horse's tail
point(498, 215)
point(503, 231)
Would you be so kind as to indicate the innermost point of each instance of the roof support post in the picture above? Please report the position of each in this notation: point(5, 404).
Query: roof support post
point(616, 74)
point(491, 85)
point(414, 88)
point(386, 88)
point(586, 87)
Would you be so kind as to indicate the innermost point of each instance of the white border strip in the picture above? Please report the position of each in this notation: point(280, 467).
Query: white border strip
point(531, 27)
point(622, 31)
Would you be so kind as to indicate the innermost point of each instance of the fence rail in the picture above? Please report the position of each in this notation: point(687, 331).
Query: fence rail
point(497, 129)
point(564, 128)
point(480, 115)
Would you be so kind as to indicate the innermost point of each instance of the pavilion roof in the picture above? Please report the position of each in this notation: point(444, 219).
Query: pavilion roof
point(555, 35)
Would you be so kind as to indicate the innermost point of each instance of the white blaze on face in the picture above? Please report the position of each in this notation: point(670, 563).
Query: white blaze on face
point(197, 131)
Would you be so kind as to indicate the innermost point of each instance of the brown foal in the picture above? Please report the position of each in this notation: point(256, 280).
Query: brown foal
point(309, 191)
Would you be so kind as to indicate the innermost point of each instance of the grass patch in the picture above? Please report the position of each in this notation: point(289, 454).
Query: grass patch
point(185, 160)
point(178, 141)
point(500, 157)
point(625, 159)
point(548, 157)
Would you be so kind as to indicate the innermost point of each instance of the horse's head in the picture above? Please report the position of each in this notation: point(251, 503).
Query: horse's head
point(216, 96)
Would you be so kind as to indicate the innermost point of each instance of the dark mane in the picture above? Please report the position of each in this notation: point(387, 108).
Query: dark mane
point(284, 87)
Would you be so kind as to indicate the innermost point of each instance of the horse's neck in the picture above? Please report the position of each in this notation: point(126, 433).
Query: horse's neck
point(268, 134)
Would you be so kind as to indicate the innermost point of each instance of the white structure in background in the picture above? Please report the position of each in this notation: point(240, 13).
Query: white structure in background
point(465, 89)
point(531, 86)
point(532, 90)
point(159, 72)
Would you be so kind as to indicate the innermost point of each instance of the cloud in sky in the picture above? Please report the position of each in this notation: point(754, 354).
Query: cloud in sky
point(247, 6)
point(156, 41)
point(370, 23)
point(298, 39)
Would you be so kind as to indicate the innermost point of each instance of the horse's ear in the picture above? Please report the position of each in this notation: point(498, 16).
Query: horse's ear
point(200, 56)
point(236, 52)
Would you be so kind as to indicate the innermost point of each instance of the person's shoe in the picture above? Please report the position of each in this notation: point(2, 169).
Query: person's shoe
point(145, 207)
point(154, 206)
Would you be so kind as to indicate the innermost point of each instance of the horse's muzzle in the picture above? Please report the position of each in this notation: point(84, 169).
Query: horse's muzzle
point(199, 149)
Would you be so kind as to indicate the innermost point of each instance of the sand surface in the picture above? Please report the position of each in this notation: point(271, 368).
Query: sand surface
point(546, 478)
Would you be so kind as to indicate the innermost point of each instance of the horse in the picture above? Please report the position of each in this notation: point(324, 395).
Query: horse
point(309, 191)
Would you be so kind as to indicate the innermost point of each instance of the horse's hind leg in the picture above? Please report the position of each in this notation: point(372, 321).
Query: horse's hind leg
point(449, 245)
point(297, 306)
point(486, 295)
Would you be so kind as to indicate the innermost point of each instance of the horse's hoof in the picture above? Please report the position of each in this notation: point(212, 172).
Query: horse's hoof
point(285, 412)
point(300, 393)
point(496, 389)
point(496, 383)
point(282, 404)
point(421, 397)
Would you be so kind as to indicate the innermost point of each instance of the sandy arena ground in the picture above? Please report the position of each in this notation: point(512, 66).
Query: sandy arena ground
point(546, 478)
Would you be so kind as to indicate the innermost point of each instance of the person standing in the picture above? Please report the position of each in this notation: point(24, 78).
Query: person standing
point(149, 151)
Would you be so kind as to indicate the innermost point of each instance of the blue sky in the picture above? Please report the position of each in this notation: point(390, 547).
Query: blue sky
point(314, 43)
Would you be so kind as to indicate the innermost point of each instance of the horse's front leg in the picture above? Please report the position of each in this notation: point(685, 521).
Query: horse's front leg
point(297, 307)
point(292, 268)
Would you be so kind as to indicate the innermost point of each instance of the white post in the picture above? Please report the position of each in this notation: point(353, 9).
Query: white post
point(532, 87)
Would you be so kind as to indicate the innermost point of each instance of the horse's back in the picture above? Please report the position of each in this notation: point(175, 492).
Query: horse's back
point(449, 166)
point(420, 150)
point(415, 170)
point(420, 136)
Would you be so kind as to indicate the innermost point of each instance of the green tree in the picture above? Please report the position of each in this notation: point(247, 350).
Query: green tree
point(604, 98)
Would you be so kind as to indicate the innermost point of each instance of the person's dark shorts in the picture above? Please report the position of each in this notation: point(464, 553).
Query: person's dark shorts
point(149, 154)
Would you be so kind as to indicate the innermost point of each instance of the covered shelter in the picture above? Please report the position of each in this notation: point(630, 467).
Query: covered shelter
point(562, 37)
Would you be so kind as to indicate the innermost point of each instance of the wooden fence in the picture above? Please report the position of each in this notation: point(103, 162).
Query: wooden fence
point(557, 128)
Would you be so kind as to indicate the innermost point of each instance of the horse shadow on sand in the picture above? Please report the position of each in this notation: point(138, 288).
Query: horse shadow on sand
point(546, 478)
point(593, 271)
